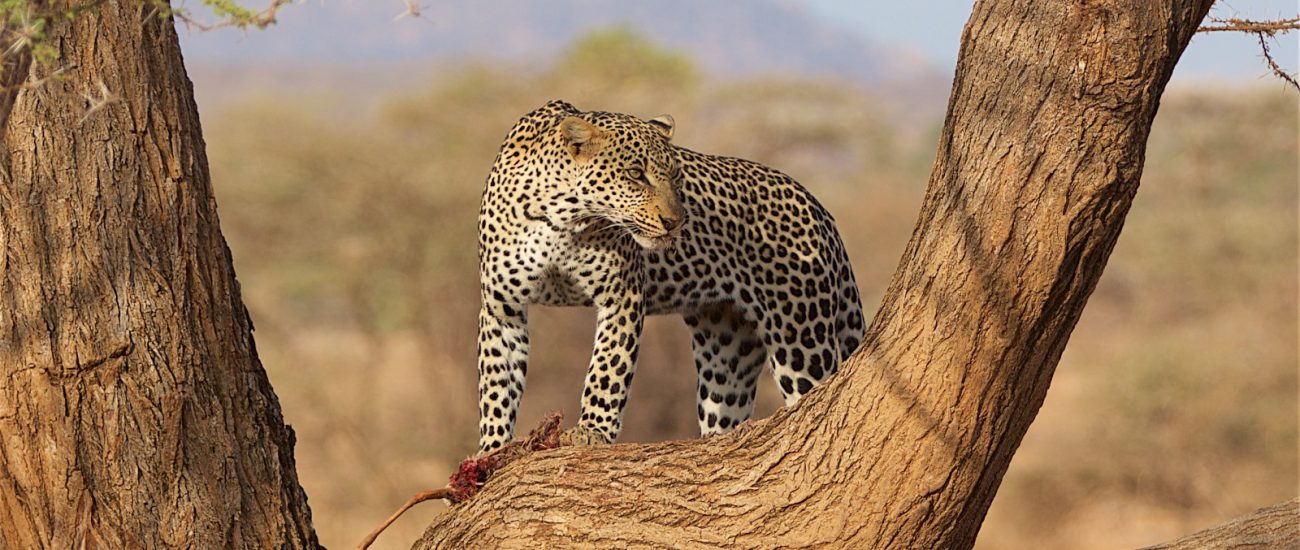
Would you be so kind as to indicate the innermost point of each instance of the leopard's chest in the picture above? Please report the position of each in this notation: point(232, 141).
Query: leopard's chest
point(566, 269)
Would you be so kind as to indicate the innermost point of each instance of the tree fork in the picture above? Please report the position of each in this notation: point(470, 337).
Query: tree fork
point(1038, 163)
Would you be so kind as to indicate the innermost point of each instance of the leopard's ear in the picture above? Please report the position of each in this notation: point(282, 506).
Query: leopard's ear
point(578, 133)
point(665, 124)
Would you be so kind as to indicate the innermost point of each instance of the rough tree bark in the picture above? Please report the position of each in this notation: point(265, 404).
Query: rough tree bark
point(1275, 527)
point(1038, 163)
point(134, 412)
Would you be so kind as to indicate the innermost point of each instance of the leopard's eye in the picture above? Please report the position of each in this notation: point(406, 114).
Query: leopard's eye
point(635, 173)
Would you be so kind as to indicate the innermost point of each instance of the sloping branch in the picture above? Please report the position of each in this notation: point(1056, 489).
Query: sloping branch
point(1276, 526)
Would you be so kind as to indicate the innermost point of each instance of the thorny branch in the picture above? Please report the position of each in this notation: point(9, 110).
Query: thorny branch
point(1272, 65)
point(1263, 30)
point(1246, 25)
point(261, 19)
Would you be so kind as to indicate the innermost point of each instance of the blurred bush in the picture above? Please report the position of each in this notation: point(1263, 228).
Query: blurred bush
point(353, 232)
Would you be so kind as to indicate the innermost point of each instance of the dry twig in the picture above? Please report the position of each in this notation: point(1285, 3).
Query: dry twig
point(1272, 64)
point(1247, 25)
point(261, 19)
point(413, 10)
point(1263, 30)
point(98, 100)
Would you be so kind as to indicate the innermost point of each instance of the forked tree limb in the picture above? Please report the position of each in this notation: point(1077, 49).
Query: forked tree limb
point(1275, 527)
point(1038, 163)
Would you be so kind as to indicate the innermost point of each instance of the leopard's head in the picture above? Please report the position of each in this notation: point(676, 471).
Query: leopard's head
point(626, 173)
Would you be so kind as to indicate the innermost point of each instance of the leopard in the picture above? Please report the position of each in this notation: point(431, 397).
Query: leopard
point(601, 210)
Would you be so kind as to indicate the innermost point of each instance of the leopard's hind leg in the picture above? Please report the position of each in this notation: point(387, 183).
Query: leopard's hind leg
point(729, 357)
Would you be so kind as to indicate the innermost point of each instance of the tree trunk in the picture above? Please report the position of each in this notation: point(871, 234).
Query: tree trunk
point(1038, 163)
point(134, 412)
point(1274, 527)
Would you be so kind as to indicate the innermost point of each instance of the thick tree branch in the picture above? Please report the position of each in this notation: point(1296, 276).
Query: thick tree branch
point(1277, 526)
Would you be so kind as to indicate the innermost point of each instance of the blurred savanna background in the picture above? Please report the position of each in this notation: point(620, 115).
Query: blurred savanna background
point(349, 149)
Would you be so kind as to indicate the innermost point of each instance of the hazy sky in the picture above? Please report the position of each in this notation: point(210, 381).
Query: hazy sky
point(930, 28)
point(933, 29)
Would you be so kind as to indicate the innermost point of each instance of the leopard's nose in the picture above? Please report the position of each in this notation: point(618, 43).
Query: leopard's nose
point(671, 223)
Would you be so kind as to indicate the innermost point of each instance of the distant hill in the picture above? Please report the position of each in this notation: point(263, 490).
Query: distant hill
point(726, 37)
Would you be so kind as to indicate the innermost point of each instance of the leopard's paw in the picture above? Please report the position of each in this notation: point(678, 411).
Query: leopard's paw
point(582, 435)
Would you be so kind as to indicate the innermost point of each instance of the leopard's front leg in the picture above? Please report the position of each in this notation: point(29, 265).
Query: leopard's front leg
point(619, 318)
point(502, 365)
